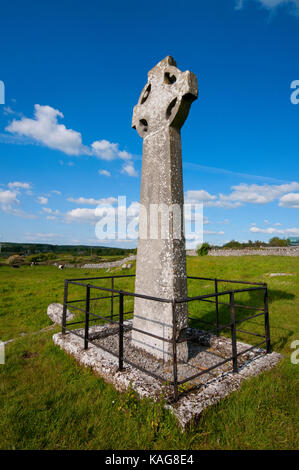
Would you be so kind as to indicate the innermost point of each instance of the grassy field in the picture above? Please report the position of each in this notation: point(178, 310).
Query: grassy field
point(48, 402)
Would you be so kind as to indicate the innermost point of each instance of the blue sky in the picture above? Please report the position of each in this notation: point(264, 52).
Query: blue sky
point(74, 70)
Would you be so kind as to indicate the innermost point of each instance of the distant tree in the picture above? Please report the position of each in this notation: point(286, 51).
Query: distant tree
point(233, 244)
point(203, 250)
point(40, 257)
point(276, 241)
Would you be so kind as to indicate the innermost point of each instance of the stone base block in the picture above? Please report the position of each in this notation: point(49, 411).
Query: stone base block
point(200, 393)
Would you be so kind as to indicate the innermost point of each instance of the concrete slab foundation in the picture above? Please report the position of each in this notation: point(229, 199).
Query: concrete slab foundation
point(197, 395)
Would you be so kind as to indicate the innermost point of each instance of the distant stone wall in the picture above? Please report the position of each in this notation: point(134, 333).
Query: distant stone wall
point(109, 264)
point(263, 251)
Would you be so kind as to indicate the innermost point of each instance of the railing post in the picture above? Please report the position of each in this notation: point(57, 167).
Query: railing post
point(217, 311)
point(233, 331)
point(267, 322)
point(174, 353)
point(64, 306)
point(121, 332)
point(87, 307)
point(112, 287)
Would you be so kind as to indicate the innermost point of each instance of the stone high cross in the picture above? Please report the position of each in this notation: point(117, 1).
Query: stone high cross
point(161, 111)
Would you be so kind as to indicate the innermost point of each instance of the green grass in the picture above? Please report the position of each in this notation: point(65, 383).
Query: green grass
point(48, 402)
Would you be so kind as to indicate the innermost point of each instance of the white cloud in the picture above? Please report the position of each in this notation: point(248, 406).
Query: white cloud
point(45, 129)
point(223, 204)
point(247, 194)
point(293, 5)
point(105, 173)
point(105, 149)
point(42, 236)
point(108, 151)
point(91, 201)
point(7, 198)
point(54, 191)
point(258, 194)
point(124, 155)
point(290, 200)
point(128, 168)
point(19, 185)
point(82, 215)
point(212, 232)
point(42, 200)
point(209, 200)
point(271, 230)
point(199, 196)
point(8, 110)
point(51, 211)
point(20, 213)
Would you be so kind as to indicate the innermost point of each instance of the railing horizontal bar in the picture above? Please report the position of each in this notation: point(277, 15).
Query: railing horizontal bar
point(105, 317)
point(82, 321)
point(98, 316)
point(117, 323)
point(204, 371)
point(156, 376)
point(95, 319)
point(249, 318)
point(131, 294)
point(95, 298)
point(252, 347)
point(152, 335)
point(101, 277)
point(217, 294)
point(76, 322)
point(178, 301)
point(226, 280)
point(250, 333)
point(202, 278)
point(77, 283)
point(236, 305)
point(202, 321)
point(188, 277)
point(77, 308)
point(74, 333)
point(222, 327)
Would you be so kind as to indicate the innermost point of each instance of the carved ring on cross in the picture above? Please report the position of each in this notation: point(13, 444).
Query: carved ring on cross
point(166, 98)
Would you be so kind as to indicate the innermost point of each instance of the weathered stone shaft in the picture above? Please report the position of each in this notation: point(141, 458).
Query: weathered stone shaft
point(161, 263)
point(161, 258)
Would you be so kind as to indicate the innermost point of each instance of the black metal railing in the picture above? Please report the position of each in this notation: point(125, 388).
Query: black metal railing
point(211, 298)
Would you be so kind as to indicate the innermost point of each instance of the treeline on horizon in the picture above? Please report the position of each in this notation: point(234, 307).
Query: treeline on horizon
point(8, 248)
point(275, 242)
point(26, 249)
